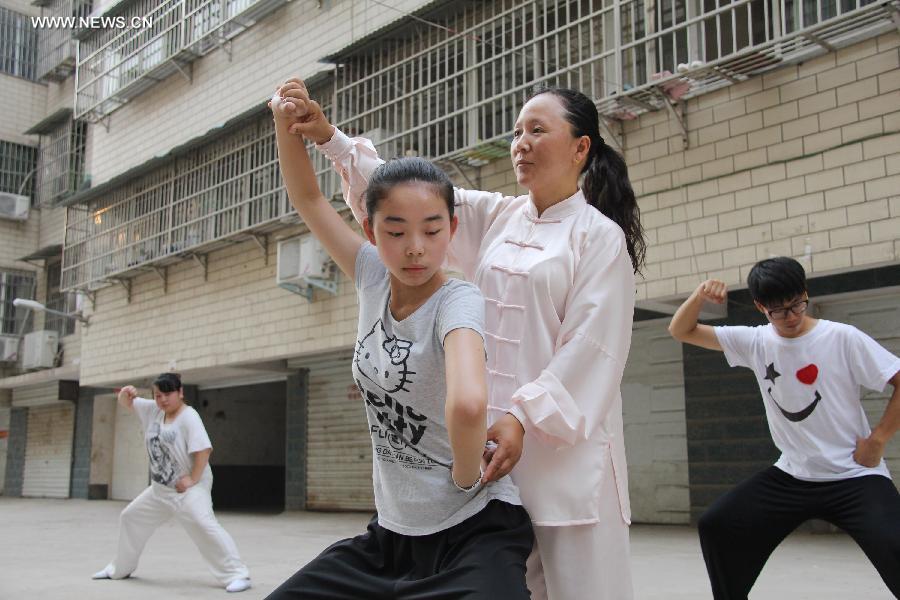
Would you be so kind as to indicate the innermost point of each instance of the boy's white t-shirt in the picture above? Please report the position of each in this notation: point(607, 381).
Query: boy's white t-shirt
point(170, 444)
point(811, 389)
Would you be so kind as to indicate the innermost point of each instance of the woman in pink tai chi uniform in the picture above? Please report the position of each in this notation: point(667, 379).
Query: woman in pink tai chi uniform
point(556, 267)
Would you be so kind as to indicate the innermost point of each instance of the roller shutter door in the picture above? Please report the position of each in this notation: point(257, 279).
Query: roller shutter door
point(48, 451)
point(339, 449)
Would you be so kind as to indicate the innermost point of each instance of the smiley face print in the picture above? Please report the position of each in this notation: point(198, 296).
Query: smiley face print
point(807, 377)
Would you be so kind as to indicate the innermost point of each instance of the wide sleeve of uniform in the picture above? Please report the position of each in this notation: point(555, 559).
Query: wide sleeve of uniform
point(355, 159)
point(572, 396)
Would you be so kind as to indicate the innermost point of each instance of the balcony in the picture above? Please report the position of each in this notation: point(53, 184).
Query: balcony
point(219, 192)
point(114, 65)
point(56, 46)
point(452, 92)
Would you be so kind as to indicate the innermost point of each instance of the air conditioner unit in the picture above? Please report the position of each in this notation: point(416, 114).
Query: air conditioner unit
point(9, 348)
point(40, 349)
point(14, 206)
point(303, 264)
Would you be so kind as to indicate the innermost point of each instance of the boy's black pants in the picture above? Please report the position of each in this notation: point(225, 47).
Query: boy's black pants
point(743, 527)
point(482, 558)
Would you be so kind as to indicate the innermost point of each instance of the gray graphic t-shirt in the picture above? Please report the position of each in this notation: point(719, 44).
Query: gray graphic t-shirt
point(399, 369)
point(170, 445)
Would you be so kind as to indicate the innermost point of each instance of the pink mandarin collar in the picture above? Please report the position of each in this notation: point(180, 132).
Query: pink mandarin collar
point(565, 208)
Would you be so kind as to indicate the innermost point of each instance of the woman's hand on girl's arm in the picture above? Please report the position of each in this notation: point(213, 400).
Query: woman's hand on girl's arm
point(509, 435)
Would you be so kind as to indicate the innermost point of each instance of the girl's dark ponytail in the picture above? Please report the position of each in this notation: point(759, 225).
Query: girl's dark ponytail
point(605, 185)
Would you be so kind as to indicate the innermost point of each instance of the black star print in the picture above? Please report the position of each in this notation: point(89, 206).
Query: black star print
point(771, 373)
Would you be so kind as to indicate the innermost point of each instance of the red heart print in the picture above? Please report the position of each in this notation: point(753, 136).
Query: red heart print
point(808, 374)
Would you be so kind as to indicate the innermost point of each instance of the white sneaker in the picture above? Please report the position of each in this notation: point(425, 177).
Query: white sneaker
point(238, 585)
point(101, 574)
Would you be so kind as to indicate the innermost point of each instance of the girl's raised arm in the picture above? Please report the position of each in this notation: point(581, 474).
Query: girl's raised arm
point(339, 240)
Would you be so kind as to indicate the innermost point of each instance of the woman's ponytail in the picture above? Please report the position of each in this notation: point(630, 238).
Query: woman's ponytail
point(605, 185)
point(607, 188)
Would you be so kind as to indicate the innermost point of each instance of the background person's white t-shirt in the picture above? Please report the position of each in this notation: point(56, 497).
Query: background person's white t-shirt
point(811, 389)
point(170, 444)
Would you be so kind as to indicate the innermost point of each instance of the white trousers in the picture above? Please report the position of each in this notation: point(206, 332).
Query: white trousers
point(583, 562)
point(194, 511)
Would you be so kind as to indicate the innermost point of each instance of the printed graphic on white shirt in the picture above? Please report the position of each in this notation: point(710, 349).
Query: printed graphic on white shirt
point(397, 429)
point(806, 376)
point(162, 464)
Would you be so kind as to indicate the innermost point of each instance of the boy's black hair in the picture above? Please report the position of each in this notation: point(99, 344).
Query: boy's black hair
point(167, 382)
point(405, 170)
point(774, 281)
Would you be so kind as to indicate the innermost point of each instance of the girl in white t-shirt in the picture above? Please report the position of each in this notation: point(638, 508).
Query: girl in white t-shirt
point(181, 486)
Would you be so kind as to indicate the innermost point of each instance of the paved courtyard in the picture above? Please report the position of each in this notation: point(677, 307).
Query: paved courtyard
point(51, 547)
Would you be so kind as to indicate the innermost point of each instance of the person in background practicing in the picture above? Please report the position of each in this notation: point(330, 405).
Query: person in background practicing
point(181, 486)
point(809, 372)
point(440, 532)
point(556, 267)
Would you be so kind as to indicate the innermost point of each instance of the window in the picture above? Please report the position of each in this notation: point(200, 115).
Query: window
point(18, 44)
point(14, 284)
point(17, 165)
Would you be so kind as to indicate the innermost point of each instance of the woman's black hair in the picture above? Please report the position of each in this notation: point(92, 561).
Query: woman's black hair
point(168, 382)
point(405, 170)
point(774, 281)
point(605, 185)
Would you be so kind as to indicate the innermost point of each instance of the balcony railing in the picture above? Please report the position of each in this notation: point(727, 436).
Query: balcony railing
point(453, 91)
point(114, 65)
point(224, 191)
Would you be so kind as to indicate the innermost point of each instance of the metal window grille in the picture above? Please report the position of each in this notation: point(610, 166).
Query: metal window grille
point(229, 186)
point(56, 46)
point(58, 300)
point(61, 163)
point(114, 65)
point(17, 165)
point(18, 44)
point(452, 91)
point(14, 284)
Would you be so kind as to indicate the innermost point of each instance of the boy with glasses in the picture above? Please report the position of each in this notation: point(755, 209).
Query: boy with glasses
point(831, 467)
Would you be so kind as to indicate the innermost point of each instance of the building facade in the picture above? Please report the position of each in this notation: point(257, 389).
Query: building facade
point(751, 128)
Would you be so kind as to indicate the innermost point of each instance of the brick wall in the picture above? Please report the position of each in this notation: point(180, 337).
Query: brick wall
point(238, 315)
point(805, 157)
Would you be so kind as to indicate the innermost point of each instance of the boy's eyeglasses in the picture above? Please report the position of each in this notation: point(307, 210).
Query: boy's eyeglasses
point(798, 308)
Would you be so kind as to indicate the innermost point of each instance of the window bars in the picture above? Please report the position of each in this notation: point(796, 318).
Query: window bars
point(60, 301)
point(14, 284)
point(18, 44)
point(17, 165)
point(452, 90)
point(164, 37)
point(229, 186)
point(56, 46)
point(61, 164)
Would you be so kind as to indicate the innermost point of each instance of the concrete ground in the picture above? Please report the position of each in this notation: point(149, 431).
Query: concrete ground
point(51, 547)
